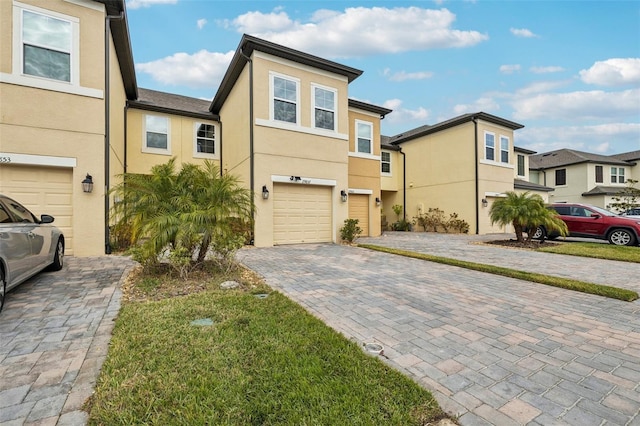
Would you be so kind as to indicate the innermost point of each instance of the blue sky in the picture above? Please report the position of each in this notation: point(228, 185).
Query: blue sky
point(569, 71)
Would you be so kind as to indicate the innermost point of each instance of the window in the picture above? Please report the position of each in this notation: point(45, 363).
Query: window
point(617, 175)
point(599, 174)
point(46, 46)
point(157, 134)
point(385, 162)
point(489, 146)
point(504, 149)
point(205, 140)
point(324, 108)
point(285, 99)
point(364, 137)
point(561, 177)
point(521, 171)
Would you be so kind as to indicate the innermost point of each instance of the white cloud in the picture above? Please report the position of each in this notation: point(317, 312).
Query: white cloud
point(509, 69)
point(202, 69)
point(538, 87)
point(359, 31)
point(484, 104)
point(201, 23)
point(403, 115)
point(613, 72)
point(591, 105)
point(546, 70)
point(137, 4)
point(403, 75)
point(522, 32)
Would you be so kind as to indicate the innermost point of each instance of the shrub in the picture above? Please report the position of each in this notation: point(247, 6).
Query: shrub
point(350, 231)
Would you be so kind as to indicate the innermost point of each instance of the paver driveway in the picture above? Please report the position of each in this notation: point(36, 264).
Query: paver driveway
point(54, 334)
point(493, 350)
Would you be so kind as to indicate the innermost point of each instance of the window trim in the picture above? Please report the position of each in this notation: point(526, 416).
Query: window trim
point(382, 161)
point(599, 172)
point(486, 133)
point(524, 169)
point(152, 150)
point(272, 98)
point(555, 177)
point(216, 149)
point(356, 137)
point(315, 86)
point(506, 139)
point(615, 173)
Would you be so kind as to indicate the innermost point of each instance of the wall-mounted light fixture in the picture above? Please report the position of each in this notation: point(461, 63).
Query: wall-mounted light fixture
point(378, 201)
point(265, 192)
point(343, 195)
point(87, 183)
point(485, 203)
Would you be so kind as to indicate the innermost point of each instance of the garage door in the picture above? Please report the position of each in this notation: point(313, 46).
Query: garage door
point(301, 214)
point(359, 209)
point(43, 190)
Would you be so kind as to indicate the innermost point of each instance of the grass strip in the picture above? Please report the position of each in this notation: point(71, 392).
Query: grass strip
point(576, 285)
point(596, 250)
point(263, 361)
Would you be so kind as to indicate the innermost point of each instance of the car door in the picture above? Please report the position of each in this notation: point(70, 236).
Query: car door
point(595, 223)
point(15, 244)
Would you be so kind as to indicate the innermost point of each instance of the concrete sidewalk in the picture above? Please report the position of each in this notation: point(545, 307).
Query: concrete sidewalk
point(493, 350)
point(54, 335)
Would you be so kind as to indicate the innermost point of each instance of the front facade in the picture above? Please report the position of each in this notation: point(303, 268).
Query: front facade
point(582, 177)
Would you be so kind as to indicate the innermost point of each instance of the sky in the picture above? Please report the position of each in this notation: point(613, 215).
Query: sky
point(569, 71)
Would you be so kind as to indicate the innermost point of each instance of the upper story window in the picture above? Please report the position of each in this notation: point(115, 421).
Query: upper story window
point(489, 146)
point(385, 162)
point(156, 135)
point(617, 175)
point(561, 177)
point(504, 149)
point(285, 99)
point(324, 106)
point(599, 174)
point(521, 170)
point(364, 137)
point(47, 45)
point(205, 141)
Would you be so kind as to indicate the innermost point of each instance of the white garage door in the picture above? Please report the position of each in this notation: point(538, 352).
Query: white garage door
point(359, 209)
point(301, 214)
point(43, 190)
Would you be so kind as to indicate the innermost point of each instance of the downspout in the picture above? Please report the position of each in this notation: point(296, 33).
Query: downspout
point(107, 118)
point(251, 165)
point(475, 131)
point(221, 163)
point(404, 185)
point(126, 109)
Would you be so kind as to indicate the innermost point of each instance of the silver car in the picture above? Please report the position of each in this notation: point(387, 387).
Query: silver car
point(27, 245)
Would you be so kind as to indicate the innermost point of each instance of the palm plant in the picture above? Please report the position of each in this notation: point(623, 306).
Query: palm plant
point(186, 210)
point(526, 212)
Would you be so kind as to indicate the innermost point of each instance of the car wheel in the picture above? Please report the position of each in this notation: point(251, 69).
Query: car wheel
point(540, 233)
point(58, 258)
point(622, 237)
point(3, 289)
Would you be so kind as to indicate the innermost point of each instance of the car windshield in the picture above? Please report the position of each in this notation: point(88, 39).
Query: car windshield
point(603, 212)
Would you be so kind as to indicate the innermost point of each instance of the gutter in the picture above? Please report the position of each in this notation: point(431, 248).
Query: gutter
point(475, 131)
point(251, 153)
point(404, 184)
point(107, 123)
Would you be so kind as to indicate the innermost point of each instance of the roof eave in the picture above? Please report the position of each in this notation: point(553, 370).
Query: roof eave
point(156, 108)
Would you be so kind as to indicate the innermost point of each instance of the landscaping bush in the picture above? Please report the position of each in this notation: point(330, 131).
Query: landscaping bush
point(350, 231)
point(434, 219)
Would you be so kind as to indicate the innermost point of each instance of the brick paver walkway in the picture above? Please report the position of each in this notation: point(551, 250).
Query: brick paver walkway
point(54, 334)
point(493, 350)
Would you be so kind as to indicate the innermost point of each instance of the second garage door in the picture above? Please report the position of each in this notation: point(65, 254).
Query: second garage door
point(359, 209)
point(301, 214)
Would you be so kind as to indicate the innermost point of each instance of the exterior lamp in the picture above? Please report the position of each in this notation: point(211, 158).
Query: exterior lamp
point(87, 184)
point(485, 203)
point(265, 192)
point(343, 195)
point(378, 201)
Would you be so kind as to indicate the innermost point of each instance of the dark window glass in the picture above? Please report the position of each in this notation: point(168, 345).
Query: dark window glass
point(521, 165)
point(599, 175)
point(561, 177)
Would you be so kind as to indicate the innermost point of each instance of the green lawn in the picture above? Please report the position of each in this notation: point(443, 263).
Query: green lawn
point(596, 250)
point(263, 362)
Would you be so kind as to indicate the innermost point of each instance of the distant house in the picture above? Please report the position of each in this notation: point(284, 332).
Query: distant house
point(578, 176)
point(461, 166)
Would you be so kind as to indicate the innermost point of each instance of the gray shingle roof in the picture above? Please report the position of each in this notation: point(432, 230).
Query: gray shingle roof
point(530, 186)
point(628, 156)
point(152, 100)
point(603, 190)
point(566, 157)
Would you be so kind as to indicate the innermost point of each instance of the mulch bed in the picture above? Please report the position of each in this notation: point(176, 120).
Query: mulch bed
point(532, 245)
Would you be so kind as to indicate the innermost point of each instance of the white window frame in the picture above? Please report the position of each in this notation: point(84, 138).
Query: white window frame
point(216, 149)
point(486, 146)
point(18, 77)
point(152, 150)
point(616, 174)
point(356, 137)
point(507, 140)
point(524, 165)
point(314, 107)
point(382, 161)
point(272, 98)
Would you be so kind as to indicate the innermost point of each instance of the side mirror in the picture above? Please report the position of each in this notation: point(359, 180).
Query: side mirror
point(45, 218)
point(596, 216)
